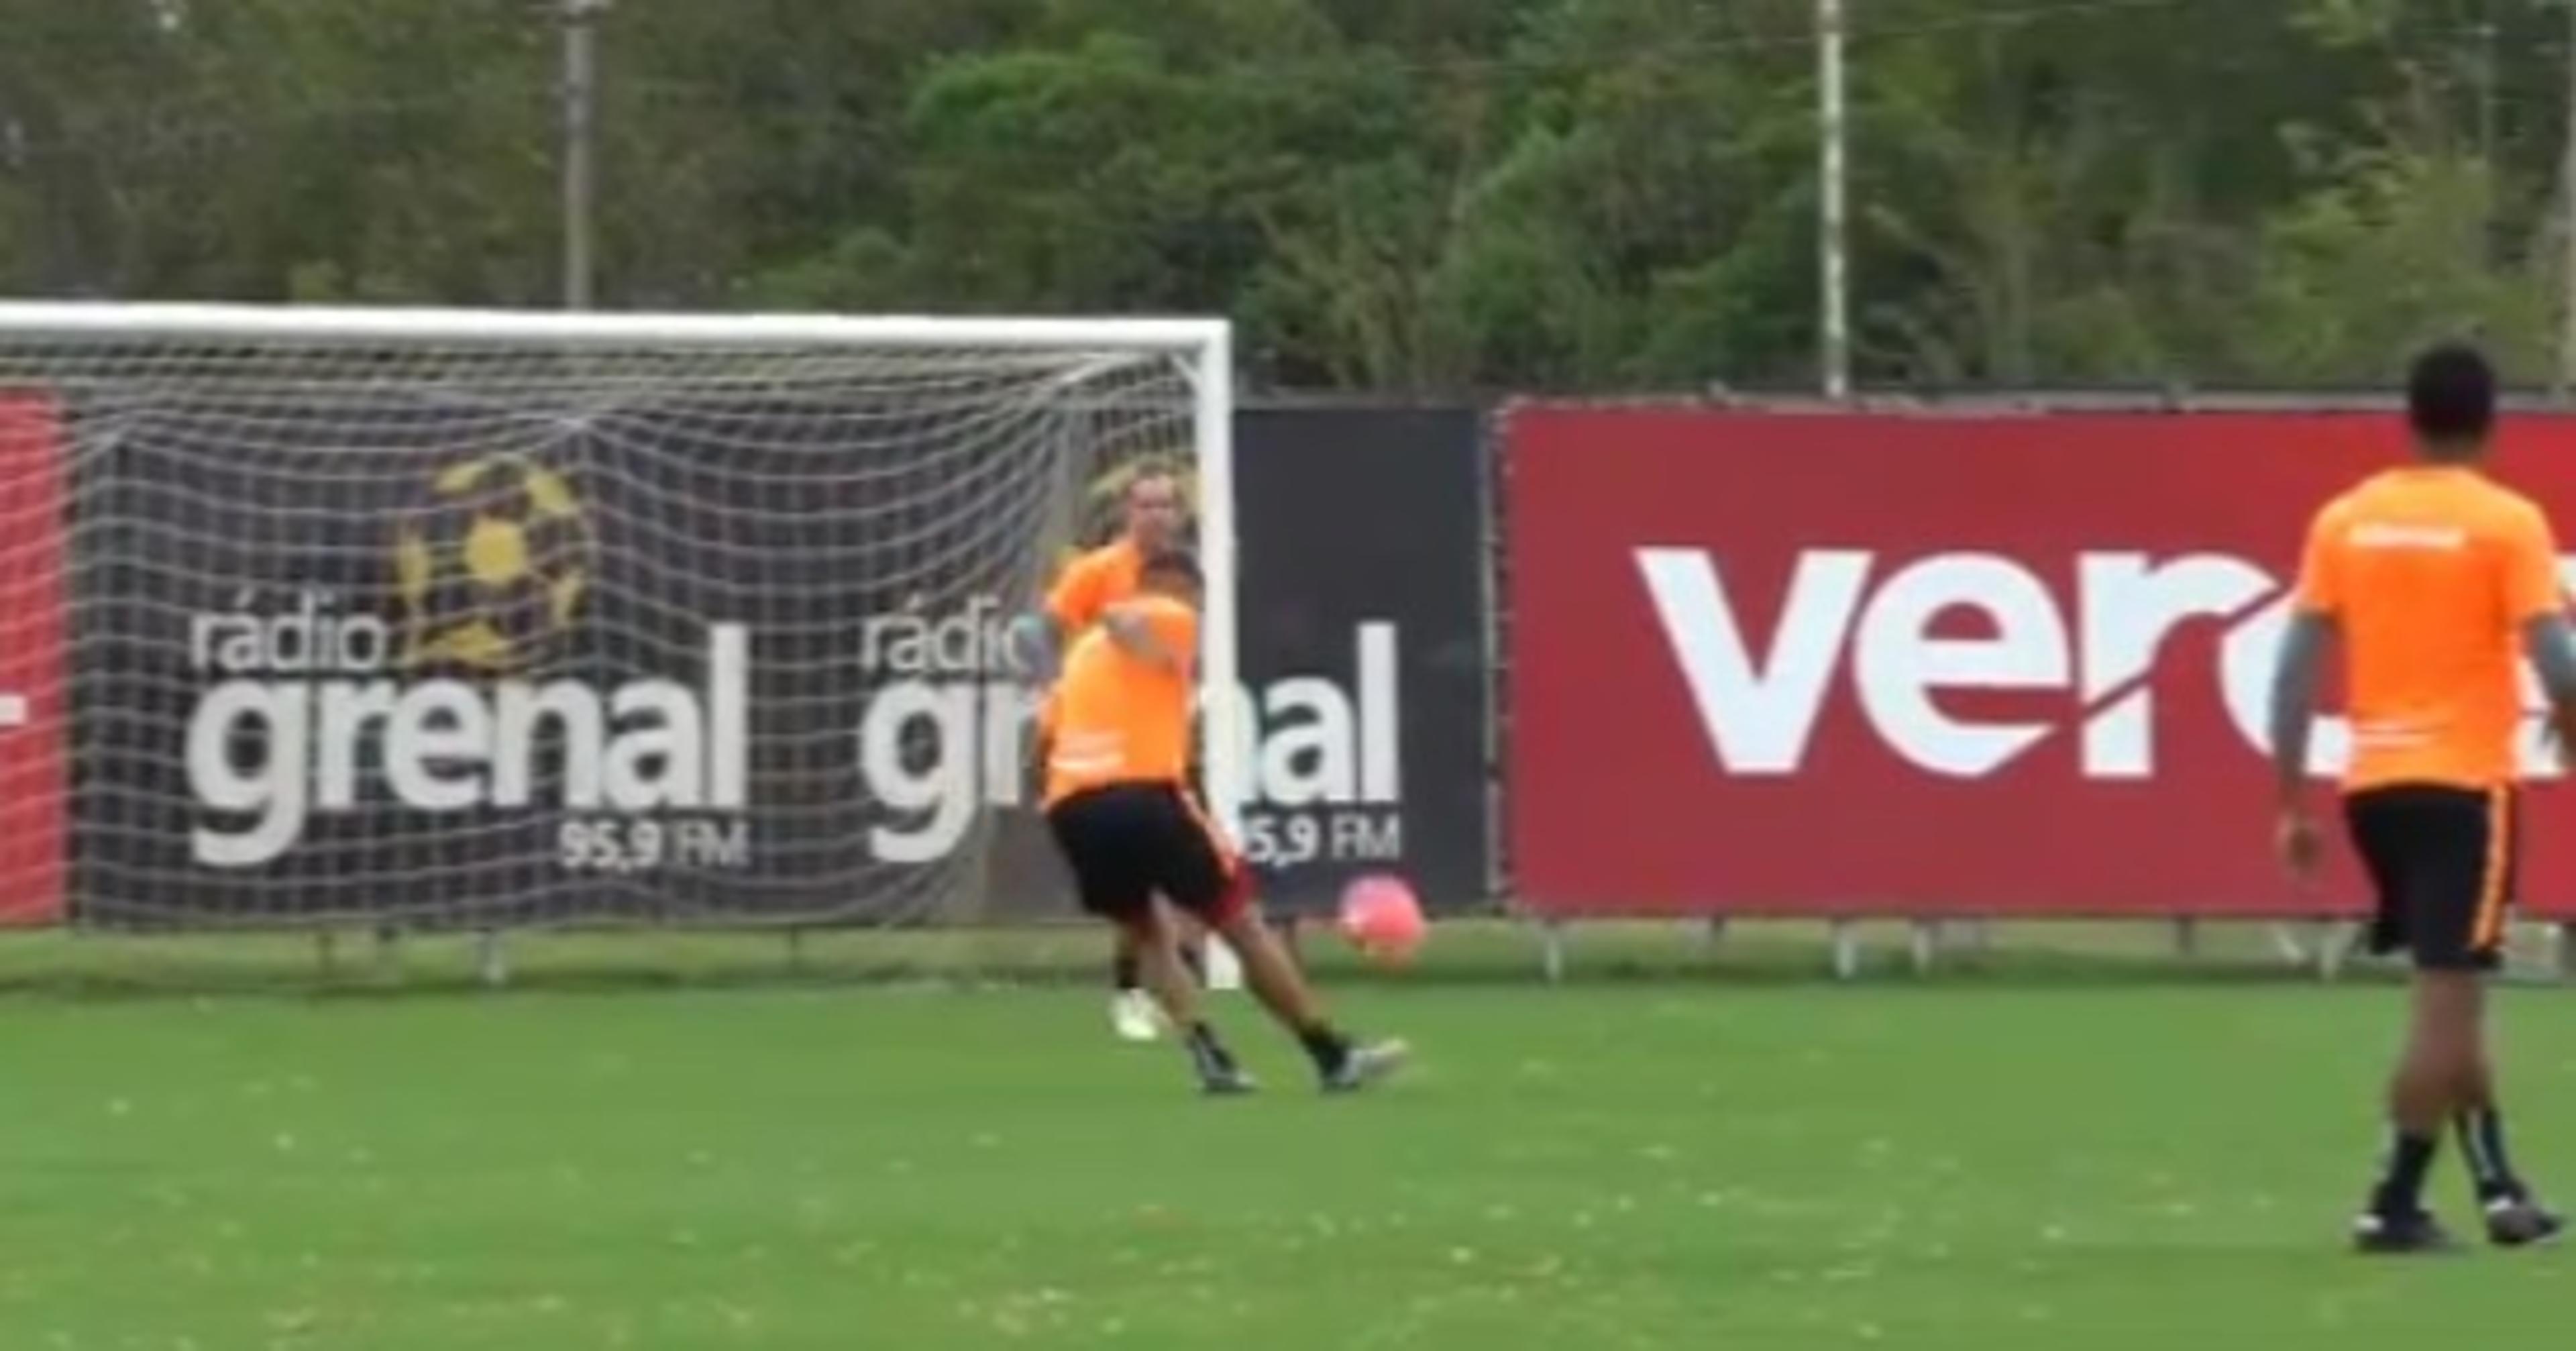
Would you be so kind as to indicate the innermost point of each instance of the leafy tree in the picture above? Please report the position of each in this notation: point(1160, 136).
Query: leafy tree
point(1413, 195)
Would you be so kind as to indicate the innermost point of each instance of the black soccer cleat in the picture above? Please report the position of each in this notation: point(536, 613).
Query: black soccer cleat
point(2521, 1222)
point(1226, 1081)
point(2400, 1234)
point(1362, 1066)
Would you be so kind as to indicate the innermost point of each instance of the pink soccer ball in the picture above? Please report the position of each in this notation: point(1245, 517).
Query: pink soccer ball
point(1381, 917)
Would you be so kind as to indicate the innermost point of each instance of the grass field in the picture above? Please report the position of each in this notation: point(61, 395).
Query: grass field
point(2048, 1157)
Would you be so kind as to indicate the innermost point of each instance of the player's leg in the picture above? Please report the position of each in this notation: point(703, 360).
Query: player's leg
point(1157, 943)
point(1191, 941)
point(1096, 833)
point(1218, 890)
point(1133, 1013)
point(1273, 977)
point(2513, 1214)
point(2422, 1093)
point(2389, 829)
point(2443, 862)
point(1113, 839)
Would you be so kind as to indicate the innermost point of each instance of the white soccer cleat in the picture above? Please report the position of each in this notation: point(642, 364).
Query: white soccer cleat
point(1366, 1065)
point(1135, 1015)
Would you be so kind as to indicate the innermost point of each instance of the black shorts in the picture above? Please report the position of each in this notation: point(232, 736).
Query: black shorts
point(1130, 842)
point(2445, 862)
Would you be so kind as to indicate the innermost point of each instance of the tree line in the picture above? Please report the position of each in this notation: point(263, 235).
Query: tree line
point(1406, 196)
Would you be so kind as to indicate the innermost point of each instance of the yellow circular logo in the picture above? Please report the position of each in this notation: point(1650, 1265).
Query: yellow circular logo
point(492, 566)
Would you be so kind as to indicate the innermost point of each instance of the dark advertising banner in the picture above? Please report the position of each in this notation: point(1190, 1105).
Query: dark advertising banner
point(1364, 698)
point(441, 660)
point(453, 660)
point(1363, 648)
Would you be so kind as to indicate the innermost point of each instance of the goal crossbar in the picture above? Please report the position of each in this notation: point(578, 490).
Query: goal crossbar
point(67, 321)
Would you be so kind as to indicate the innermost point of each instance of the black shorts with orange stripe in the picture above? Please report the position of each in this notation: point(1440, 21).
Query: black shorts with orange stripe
point(2445, 862)
point(1130, 842)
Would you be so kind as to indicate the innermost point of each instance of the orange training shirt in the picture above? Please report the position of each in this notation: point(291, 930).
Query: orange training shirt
point(2430, 572)
point(1115, 717)
point(1093, 582)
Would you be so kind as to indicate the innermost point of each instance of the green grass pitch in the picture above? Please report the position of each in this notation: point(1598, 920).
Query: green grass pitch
point(1700, 1162)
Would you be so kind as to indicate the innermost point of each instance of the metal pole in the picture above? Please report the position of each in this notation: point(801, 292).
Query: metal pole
point(580, 90)
point(2485, 34)
point(2567, 186)
point(1831, 246)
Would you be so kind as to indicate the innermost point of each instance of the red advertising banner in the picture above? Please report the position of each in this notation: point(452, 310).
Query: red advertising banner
point(1923, 665)
point(33, 787)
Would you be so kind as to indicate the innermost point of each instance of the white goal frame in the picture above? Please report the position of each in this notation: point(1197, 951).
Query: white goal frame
point(1205, 344)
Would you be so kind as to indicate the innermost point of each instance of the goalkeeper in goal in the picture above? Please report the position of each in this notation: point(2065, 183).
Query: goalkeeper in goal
point(1084, 596)
point(1116, 728)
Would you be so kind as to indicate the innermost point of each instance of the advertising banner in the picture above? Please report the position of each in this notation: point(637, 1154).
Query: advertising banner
point(33, 787)
point(440, 660)
point(1363, 647)
point(1924, 665)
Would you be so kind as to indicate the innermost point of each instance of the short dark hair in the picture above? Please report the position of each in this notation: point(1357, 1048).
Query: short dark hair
point(1178, 564)
point(2450, 397)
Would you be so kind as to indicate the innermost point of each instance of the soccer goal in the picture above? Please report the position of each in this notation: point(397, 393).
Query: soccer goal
point(441, 618)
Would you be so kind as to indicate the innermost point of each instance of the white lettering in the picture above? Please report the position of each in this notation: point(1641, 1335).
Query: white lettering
point(728, 703)
point(1307, 734)
point(346, 712)
point(1381, 728)
point(1759, 710)
point(442, 745)
point(271, 721)
point(579, 721)
point(441, 724)
point(941, 791)
point(1899, 663)
point(655, 756)
point(2395, 535)
point(1304, 740)
point(972, 641)
point(2131, 605)
point(313, 638)
point(1758, 717)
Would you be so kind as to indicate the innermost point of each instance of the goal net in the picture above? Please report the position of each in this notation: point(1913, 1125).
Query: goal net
point(433, 618)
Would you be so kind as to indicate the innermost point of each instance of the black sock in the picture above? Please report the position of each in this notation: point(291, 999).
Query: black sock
point(2482, 1144)
point(1123, 975)
point(1206, 1052)
point(1328, 1047)
point(2401, 1188)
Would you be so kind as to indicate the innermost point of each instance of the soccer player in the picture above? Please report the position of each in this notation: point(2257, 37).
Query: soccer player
point(2431, 577)
point(1118, 737)
point(1088, 593)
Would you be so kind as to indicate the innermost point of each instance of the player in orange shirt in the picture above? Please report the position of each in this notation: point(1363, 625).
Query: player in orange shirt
point(1118, 736)
point(1090, 591)
point(2434, 579)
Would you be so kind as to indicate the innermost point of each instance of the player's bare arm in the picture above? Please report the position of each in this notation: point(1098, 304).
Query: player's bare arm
point(2532, 596)
point(1130, 627)
point(2549, 642)
point(2297, 672)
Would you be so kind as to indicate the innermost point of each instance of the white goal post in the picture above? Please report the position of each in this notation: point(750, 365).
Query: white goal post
point(672, 534)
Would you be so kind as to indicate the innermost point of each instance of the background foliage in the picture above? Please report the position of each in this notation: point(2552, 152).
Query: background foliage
point(1403, 195)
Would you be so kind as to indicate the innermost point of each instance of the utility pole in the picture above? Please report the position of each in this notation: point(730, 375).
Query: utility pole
point(1834, 281)
point(580, 118)
point(2567, 225)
